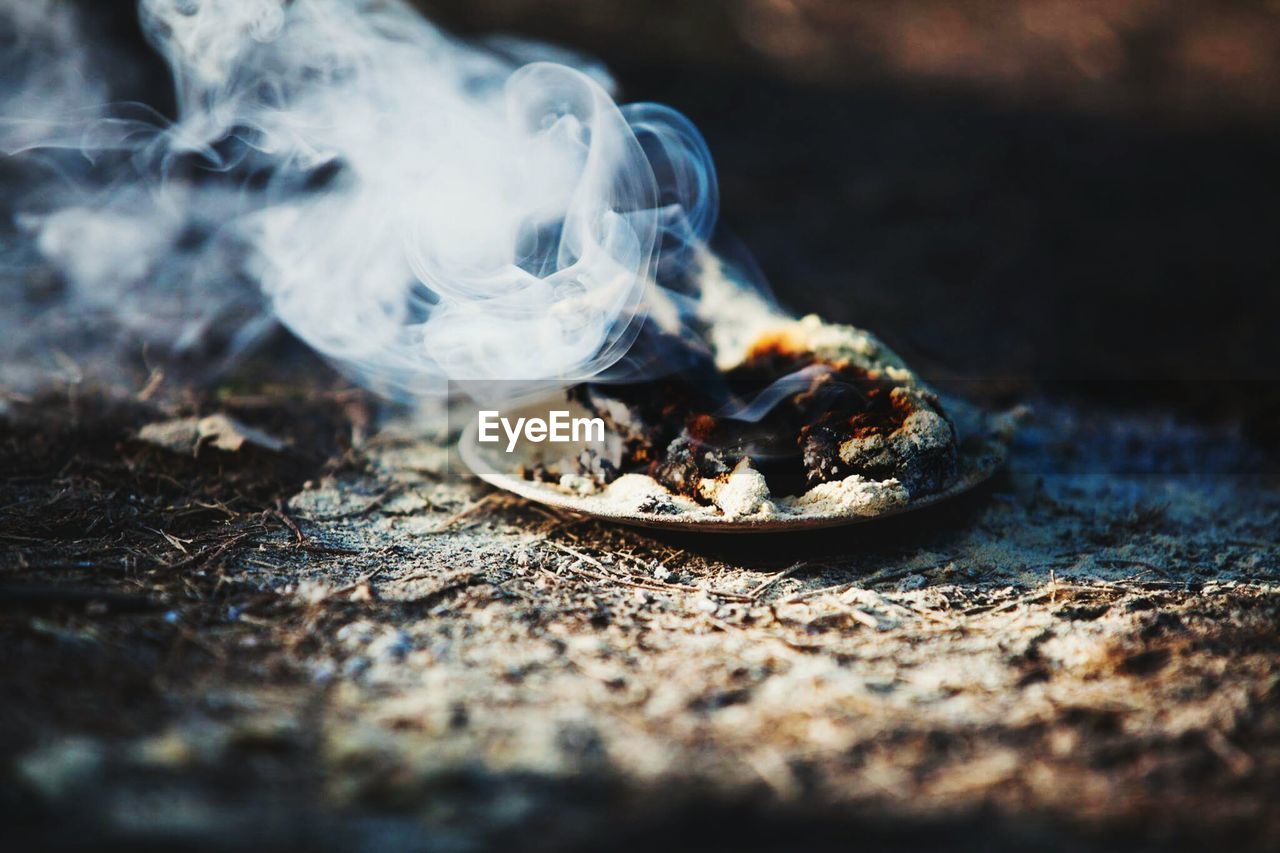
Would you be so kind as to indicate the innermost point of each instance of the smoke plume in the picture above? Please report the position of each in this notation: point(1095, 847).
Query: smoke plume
point(416, 208)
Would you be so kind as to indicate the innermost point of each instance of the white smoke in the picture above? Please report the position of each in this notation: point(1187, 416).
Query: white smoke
point(415, 208)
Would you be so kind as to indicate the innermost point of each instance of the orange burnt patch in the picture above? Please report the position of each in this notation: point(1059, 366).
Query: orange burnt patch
point(701, 426)
point(886, 414)
point(780, 344)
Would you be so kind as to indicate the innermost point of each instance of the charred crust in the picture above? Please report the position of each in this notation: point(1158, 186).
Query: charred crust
point(848, 419)
point(655, 506)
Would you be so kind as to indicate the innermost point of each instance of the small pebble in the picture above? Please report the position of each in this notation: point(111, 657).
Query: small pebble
point(391, 646)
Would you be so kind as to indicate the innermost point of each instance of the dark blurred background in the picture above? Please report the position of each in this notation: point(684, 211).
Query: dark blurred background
point(1030, 193)
point(1061, 191)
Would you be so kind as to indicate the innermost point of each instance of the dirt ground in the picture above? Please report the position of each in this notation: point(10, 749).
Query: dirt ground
point(324, 635)
point(345, 642)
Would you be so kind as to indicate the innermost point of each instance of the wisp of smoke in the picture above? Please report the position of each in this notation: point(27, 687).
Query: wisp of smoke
point(415, 208)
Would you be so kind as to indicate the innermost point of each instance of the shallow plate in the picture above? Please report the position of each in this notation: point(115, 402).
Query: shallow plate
point(983, 447)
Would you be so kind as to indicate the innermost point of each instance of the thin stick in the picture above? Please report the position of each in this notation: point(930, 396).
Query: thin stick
point(456, 517)
point(814, 593)
point(775, 578)
point(209, 553)
point(289, 522)
point(604, 575)
point(356, 584)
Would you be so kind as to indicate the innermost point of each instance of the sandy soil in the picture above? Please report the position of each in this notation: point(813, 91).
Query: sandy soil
point(348, 642)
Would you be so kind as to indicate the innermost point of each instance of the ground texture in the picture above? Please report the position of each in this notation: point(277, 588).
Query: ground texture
point(324, 635)
point(344, 641)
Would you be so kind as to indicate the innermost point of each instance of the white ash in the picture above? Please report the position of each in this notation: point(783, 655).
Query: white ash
point(854, 495)
point(743, 493)
point(640, 492)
